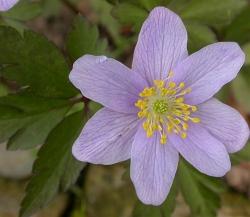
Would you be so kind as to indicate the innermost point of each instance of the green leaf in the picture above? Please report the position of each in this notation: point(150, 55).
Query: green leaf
point(136, 15)
point(165, 210)
point(224, 93)
point(246, 50)
point(199, 191)
point(84, 39)
point(22, 113)
point(11, 120)
point(25, 10)
point(34, 63)
point(32, 104)
point(212, 12)
point(199, 36)
point(242, 156)
point(148, 4)
point(55, 167)
point(37, 132)
point(239, 30)
point(241, 88)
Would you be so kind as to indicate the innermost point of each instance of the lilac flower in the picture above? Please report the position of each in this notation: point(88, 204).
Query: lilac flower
point(161, 107)
point(7, 4)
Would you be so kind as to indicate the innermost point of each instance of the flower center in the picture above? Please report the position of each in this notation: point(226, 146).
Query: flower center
point(164, 110)
point(160, 106)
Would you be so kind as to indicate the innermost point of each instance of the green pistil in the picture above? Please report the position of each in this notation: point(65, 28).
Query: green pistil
point(160, 106)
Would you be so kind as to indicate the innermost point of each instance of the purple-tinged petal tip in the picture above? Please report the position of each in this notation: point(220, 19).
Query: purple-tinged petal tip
point(5, 5)
point(203, 151)
point(225, 123)
point(108, 82)
point(207, 70)
point(161, 44)
point(153, 168)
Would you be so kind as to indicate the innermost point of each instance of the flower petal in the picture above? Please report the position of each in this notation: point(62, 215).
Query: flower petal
point(203, 151)
point(7, 4)
point(106, 138)
point(207, 70)
point(161, 44)
point(108, 82)
point(153, 167)
point(224, 123)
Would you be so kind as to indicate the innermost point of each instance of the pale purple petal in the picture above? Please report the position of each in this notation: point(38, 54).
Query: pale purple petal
point(203, 151)
point(108, 82)
point(207, 70)
point(224, 123)
point(106, 138)
point(153, 168)
point(7, 4)
point(161, 44)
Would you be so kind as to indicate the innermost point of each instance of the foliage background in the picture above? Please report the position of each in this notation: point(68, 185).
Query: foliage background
point(42, 113)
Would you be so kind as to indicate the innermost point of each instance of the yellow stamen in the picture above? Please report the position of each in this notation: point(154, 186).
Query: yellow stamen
point(164, 109)
point(195, 120)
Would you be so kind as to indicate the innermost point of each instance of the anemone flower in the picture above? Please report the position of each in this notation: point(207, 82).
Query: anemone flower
point(7, 4)
point(161, 108)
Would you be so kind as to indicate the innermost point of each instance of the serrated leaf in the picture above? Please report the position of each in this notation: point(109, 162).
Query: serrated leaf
point(239, 29)
point(241, 88)
point(11, 120)
point(34, 63)
point(23, 112)
point(84, 39)
point(36, 133)
point(49, 169)
point(200, 192)
point(212, 12)
point(165, 210)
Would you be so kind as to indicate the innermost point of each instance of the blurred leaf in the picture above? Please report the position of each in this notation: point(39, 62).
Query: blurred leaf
point(239, 30)
point(146, 4)
point(103, 10)
point(20, 27)
point(199, 191)
point(150, 4)
point(34, 63)
point(23, 11)
point(112, 1)
point(165, 210)
point(84, 39)
point(199, 36)
point(4, 90)
point(224, 93)
point(55, 167)
point(212, 12)
point(37, 132)
point(178, 6)
point(242, 156)
point(246, 50)
point(241, 88)
point(136, 15)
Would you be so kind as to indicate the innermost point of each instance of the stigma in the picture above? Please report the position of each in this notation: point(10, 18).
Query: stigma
point(163, 109)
